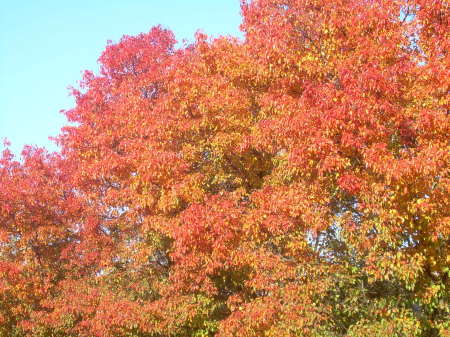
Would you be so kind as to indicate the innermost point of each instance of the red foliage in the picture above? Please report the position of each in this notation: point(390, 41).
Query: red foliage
point(293, 183)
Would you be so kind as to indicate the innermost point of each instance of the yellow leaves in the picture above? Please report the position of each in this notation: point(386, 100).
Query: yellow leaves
point(310, 57)
point(147, 197)
point(431, 292)
point(298, 246)
point(191, 190)
point(169, 201)
point(420, 201)
point(282, 174)
point(88, 154)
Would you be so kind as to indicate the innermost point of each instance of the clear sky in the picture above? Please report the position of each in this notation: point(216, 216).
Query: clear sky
point(46, 44)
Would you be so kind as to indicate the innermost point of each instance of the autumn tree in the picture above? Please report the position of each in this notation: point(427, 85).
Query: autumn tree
point(293, 183)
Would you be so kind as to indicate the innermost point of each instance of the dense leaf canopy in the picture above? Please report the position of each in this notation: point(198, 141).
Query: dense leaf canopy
point(293, 183)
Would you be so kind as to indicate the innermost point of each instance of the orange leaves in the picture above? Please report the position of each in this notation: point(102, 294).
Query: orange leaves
point(203, 231)
point(136, 55)
point(350, 183)
point(293, 183)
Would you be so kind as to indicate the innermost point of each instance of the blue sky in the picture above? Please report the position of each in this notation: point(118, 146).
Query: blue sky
point(45, 45)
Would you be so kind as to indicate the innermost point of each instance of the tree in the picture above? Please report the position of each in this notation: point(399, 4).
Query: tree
point(294, 183)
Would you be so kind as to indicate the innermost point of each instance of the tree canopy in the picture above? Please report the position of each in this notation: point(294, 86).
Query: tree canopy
point(292, 183)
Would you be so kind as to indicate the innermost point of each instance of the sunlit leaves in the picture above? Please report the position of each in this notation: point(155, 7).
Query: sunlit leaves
point(294, 183)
